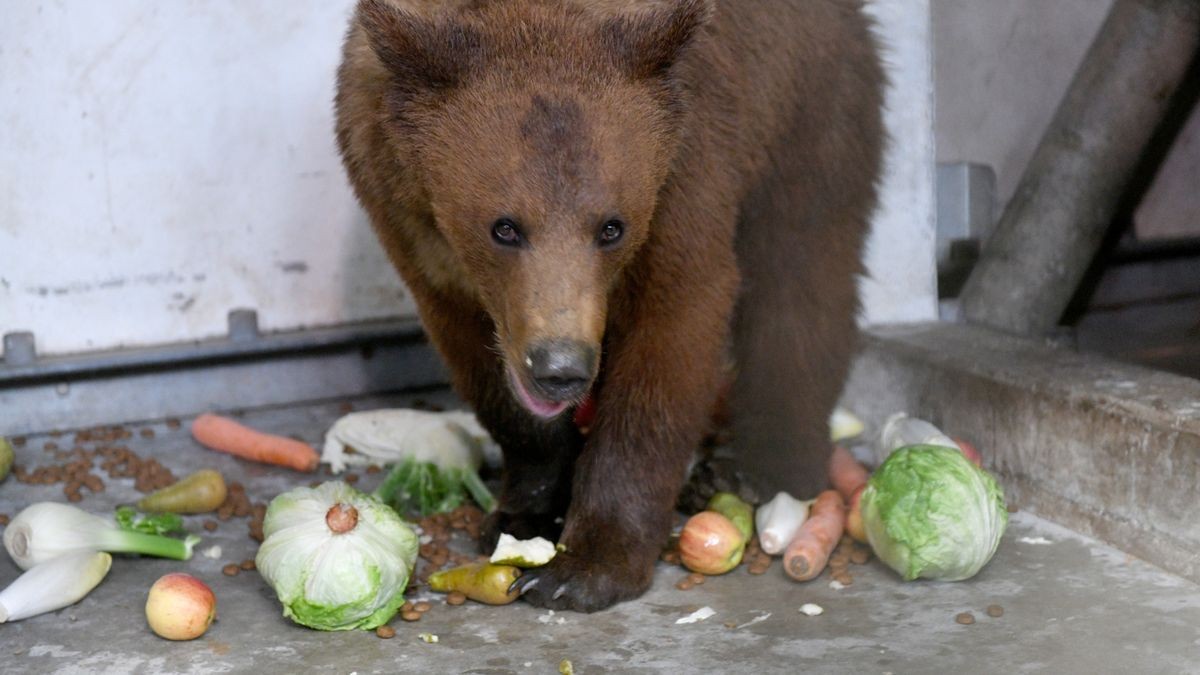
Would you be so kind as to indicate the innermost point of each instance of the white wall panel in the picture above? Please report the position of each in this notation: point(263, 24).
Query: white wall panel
point(164, 162)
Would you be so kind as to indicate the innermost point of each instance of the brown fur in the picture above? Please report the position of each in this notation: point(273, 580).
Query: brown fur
point(738, 143)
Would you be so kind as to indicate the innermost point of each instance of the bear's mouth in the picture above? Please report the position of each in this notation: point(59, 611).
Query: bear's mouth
point(540, 407)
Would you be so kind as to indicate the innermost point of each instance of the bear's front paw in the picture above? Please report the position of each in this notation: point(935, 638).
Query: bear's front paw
point(519, 525)
point(584, 584)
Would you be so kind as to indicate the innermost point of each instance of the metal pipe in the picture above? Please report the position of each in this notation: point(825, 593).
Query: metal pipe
point(1072, 188)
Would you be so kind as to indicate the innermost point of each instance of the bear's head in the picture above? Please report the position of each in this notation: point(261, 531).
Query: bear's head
point(541, 133)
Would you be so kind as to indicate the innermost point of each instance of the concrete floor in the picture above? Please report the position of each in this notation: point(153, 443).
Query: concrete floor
point(1071, 605)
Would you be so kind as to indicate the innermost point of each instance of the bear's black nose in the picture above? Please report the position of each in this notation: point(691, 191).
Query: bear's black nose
point(561, 369)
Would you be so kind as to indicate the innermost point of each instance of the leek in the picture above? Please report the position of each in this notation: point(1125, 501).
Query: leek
point(47, 530)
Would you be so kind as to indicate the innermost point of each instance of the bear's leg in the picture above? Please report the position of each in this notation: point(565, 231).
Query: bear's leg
point(538, 455)
point(661, 371)
point(795, 325)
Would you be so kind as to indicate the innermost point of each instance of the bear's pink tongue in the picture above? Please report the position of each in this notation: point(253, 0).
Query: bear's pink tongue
point(535, 405)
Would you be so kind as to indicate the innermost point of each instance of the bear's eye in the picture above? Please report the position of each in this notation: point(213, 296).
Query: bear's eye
point(611, 231)
point(505, 232)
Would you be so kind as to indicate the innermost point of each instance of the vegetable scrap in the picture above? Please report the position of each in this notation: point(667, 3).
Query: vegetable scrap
point(930, 513)
point(338, 559)
point(225, 435)
point(53, 584)
point(809, 551)
point(46, 530)
point(163, 523)
point(522, 553)
point(697, 616)
point(778, 521)
point(436, 456)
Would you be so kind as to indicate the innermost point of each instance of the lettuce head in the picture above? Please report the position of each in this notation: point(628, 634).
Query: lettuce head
point(338, 559)
point(930, 513)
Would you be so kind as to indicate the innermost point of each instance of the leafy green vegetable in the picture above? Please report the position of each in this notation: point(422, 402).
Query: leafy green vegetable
point(930, 513)
point(414, 486)
point(162, 523)
point(338, 559)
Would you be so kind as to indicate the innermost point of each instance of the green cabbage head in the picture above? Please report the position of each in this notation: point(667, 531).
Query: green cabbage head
point(338, 559)
point(930, 513)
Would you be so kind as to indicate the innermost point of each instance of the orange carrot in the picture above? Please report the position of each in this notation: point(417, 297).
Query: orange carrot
point(806, 556)
point(225, 435)
point(846, 473)
point(970, 452)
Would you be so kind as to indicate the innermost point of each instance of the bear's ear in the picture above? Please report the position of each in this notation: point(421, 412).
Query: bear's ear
point(421, 53)
point(647, 44)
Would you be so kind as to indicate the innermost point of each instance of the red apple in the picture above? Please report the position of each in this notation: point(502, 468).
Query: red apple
point(710, 543)
point(180, 607)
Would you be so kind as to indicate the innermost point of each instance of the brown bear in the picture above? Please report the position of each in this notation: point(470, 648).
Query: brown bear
point(617, 199)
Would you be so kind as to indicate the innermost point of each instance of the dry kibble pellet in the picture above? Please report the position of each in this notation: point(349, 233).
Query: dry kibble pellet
point(385, 632)
point(696, 578)
point(456, 598)
point(995, 611)
point(860, 556)
point(965, 618)
point(248, 565)
point(422, 606)
point(410, 615)
point(230, 570)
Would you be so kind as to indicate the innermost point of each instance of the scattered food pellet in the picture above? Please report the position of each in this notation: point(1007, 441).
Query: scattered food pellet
point(3, 519)
point(210, 525)
point(696, 578)
point(173, 423)
point(351, 478)
point(860, 556)
point(373, 469)
point(685, 585)
point(965, 618)
point(809, 609)
point(230, 570)
point(385, 632)
point(456, 598)
point(995, 611)
point(147, 433)
point(429, 638)
point(410, 615)
point(407, 606)
point(248, 565)
point(730, 624)
point(422, 607)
